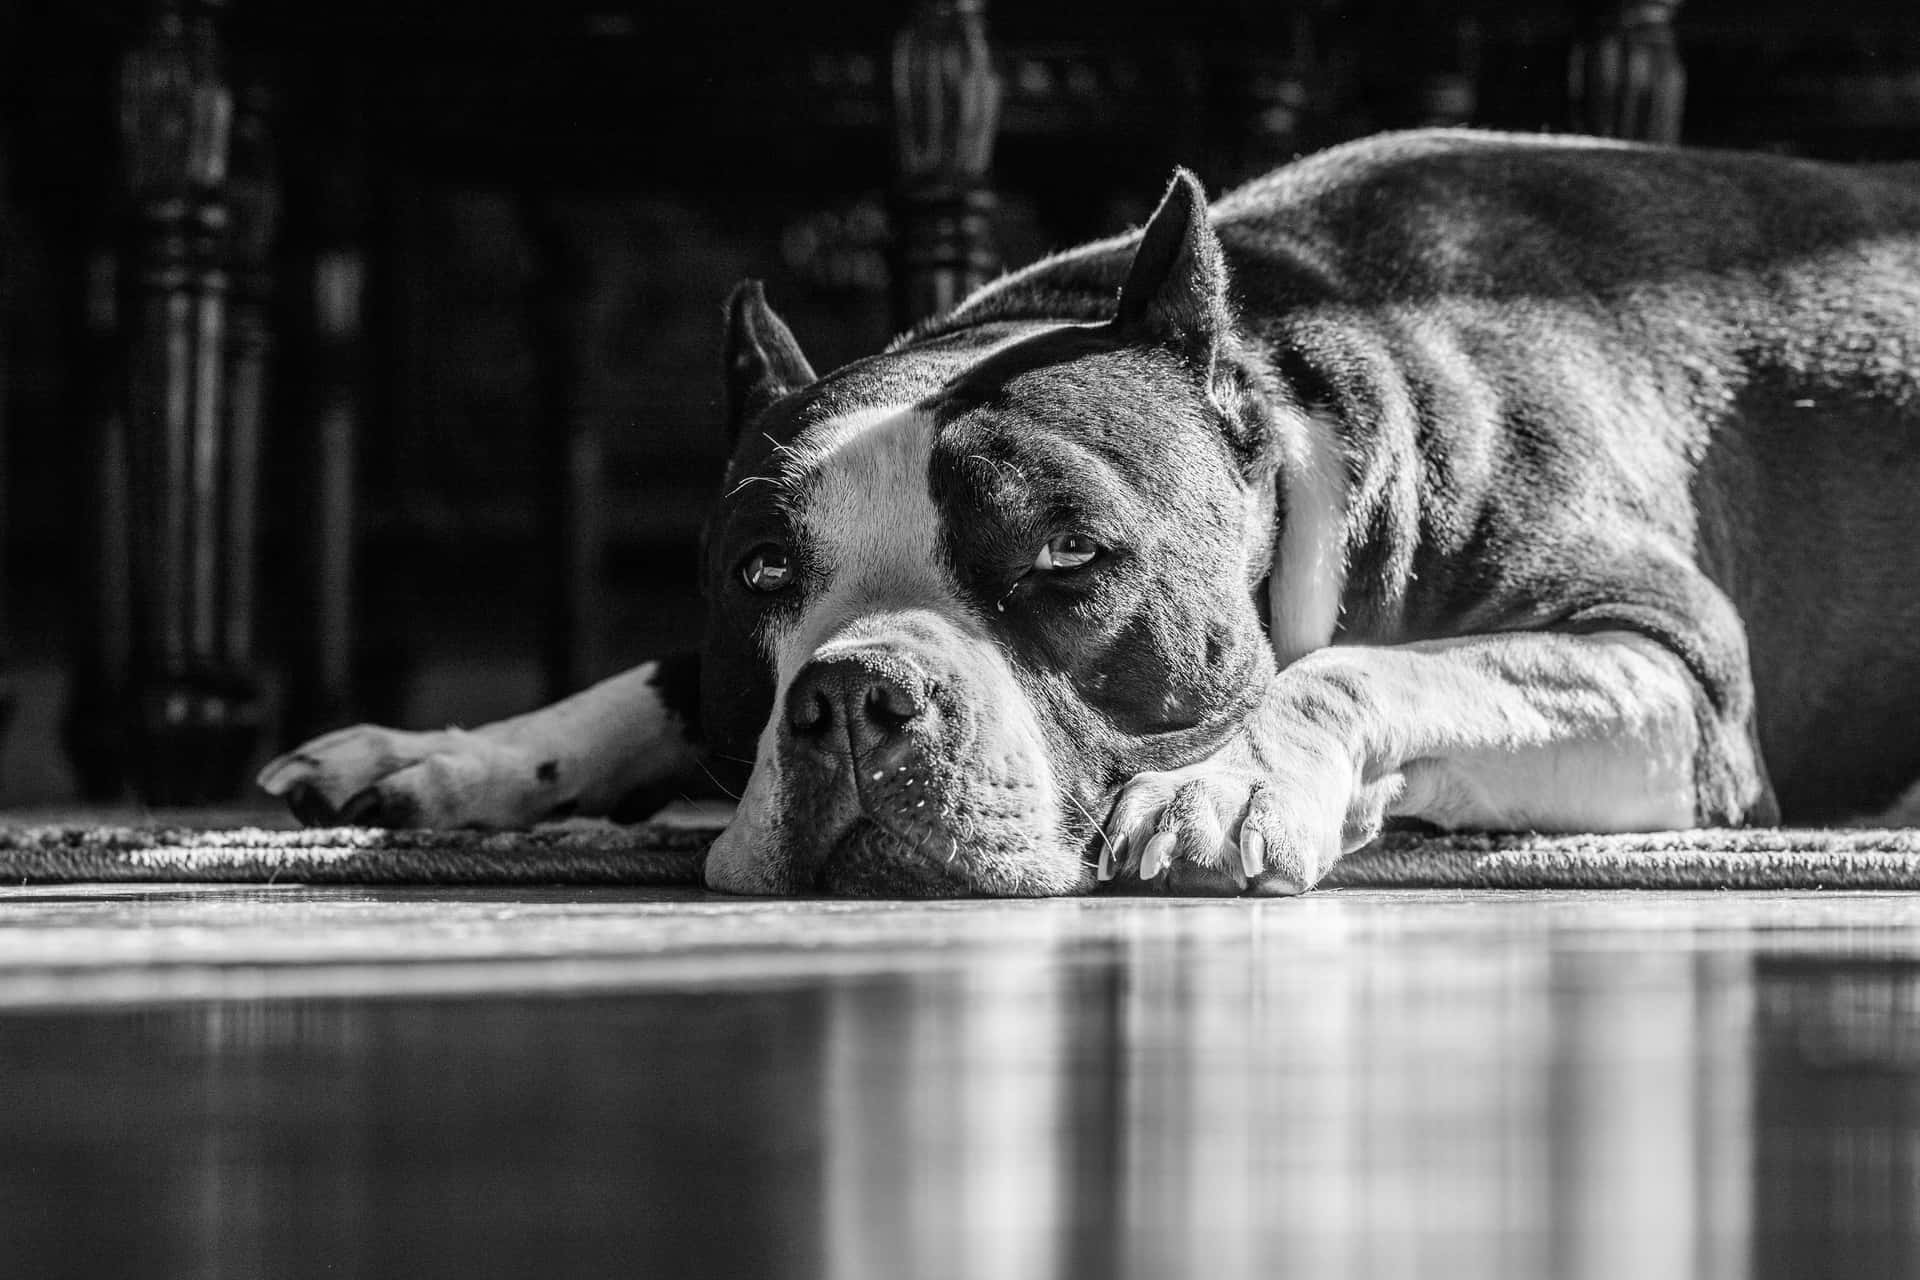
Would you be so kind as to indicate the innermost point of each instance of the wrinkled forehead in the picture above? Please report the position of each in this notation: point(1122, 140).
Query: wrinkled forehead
point(894, 379)
point(1003, 401)
point(847, 418)
point(1070, 404)
point(863, 436)
point(866, 512)
point(994, 440)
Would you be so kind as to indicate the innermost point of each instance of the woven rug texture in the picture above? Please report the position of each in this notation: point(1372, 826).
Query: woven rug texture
point(662, 854)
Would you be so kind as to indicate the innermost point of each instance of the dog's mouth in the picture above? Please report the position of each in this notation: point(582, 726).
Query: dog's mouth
point(871, 826)
point(951, 837)
point(878, 858)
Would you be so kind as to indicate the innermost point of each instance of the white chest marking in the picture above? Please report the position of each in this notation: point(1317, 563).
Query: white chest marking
point(1310, 567)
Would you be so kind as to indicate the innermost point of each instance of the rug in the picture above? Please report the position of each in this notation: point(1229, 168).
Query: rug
point(663, 854)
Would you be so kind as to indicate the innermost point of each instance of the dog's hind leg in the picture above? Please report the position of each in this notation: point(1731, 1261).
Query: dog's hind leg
point(620, 748)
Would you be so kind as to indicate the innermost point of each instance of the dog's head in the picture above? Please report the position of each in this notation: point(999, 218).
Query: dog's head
point(985, 580)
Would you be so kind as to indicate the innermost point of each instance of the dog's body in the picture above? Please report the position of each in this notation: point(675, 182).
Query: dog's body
point(1484, 480)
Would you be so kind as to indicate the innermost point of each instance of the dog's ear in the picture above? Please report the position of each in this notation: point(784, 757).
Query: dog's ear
point(763, 360)
point(1176, 289)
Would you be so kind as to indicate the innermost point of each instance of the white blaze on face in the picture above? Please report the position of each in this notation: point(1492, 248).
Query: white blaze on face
point(872, 536)
point(870, 525)
point(1310, 561)
point(883, 451)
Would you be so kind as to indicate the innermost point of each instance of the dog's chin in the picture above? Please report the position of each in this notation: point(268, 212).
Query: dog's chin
point(874, 860)
point(999, 842)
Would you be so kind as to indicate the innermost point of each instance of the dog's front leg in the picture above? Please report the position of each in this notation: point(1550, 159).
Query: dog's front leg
point(619, 748)
point(1539, 731)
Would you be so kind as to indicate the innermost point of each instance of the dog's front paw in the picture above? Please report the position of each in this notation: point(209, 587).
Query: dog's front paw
point(376, 777)
point(1235, 824)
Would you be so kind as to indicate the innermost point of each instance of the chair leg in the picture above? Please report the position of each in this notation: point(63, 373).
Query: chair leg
point(946, 101)
point(1624, 76)
point(194, 702)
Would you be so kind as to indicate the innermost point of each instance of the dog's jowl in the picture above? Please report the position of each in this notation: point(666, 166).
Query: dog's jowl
point(1490, 481)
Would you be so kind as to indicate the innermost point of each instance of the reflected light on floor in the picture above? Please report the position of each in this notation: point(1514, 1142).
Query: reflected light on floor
point(1182, 1106)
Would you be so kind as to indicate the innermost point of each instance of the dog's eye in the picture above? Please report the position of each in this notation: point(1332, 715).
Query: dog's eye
point(766, 568)
point(1066, 551)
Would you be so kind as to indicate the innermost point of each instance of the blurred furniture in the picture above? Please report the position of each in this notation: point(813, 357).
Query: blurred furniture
point(294, 427)
point(8, 262)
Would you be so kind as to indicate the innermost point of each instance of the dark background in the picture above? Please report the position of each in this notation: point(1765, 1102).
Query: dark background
point(548, 203)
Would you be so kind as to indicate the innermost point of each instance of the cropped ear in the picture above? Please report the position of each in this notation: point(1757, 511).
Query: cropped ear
point(1176, 289)
point(763, 360)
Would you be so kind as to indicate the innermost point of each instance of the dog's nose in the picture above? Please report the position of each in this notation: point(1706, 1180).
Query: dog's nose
point(873, 697)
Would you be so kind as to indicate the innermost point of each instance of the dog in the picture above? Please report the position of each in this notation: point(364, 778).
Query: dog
point(1485, 481)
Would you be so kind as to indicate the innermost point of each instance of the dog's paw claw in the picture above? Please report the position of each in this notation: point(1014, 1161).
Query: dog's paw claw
point(1253, 853)
point(283, 773)
point(379, 806)
point(307, 803)
point(1221, 828)
point(1156, 856)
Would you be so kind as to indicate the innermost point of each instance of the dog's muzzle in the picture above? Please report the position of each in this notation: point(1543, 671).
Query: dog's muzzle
point(864, 739)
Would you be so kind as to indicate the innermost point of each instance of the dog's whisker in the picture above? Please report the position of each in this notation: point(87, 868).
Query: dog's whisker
point(732, 795)
point(1097, 829)
point(752, 480)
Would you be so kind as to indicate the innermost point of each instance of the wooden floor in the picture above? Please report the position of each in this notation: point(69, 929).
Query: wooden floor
point(289, 1082)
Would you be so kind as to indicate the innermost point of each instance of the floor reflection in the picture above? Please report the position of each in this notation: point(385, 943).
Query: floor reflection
point(1234, 1093)
point(1837, 1117)
point(1185, 1106)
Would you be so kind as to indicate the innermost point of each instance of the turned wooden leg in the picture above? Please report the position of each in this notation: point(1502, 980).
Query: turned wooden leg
point(946, 100)
point(191, 448)
point(1624, 76)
